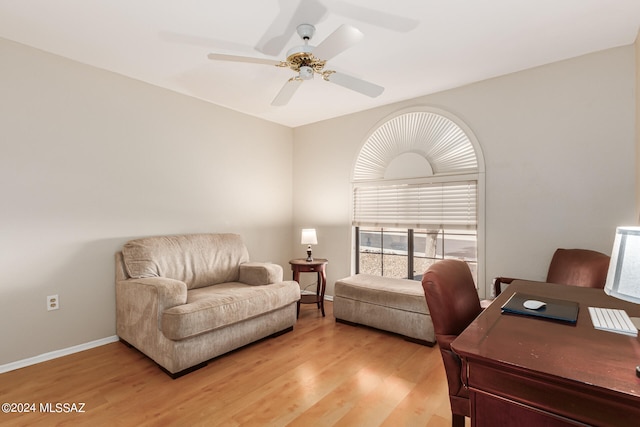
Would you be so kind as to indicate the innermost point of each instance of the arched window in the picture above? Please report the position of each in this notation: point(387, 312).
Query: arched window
point(418, 186)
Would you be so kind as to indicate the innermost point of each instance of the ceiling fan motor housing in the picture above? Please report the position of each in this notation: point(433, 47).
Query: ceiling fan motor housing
point(301, 57)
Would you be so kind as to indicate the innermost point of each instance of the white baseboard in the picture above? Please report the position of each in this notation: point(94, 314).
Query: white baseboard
point(55, 354)
point(70, 350)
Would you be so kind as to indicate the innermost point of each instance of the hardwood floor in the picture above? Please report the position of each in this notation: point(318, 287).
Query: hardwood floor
point(322, 374)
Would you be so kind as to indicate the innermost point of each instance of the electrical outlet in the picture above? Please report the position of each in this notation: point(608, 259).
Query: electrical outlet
point(53, 302)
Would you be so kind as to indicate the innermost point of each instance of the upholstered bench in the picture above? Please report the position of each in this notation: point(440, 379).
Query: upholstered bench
point(394, 305)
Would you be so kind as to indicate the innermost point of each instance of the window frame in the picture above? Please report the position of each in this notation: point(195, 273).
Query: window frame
point(360, 178)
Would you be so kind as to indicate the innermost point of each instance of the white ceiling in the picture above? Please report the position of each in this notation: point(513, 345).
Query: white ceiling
point(411, 47)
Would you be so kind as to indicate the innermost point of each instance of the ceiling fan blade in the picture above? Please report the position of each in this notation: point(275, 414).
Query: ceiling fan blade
point(208, 42)
point(337, 42)
point(286, 93)
point(374, 17)
point(280, 31)
point(355, 84)
point(236, 58)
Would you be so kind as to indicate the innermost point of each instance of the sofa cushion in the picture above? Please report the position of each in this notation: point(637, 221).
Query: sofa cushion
point(401, 294)
point(221, 305)
point(195, 259)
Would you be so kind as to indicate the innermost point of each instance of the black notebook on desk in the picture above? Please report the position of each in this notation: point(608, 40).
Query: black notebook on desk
point(555, 309)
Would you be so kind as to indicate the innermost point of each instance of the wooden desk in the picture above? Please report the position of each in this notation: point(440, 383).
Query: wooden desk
point(530, 372)
point(318, 265)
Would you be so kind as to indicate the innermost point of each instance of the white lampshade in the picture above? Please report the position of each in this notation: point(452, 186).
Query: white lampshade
point(623, 277)
point(309, 236)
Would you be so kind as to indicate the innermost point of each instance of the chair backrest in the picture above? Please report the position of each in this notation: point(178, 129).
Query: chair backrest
point(579, 267)
point(453, 304)
point(451, 296)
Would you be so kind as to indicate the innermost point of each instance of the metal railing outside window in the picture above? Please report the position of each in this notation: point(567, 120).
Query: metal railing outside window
point(407, 253)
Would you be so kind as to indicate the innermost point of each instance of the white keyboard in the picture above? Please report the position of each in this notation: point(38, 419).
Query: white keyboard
point(612, 320)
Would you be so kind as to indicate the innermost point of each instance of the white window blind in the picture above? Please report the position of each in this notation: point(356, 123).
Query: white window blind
point(434, 205)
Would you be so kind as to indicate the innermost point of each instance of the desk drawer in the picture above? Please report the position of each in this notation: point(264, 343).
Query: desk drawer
point(558, 398)
point(491, 411)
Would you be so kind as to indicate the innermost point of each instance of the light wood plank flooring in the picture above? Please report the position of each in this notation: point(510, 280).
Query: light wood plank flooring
point(322, 374)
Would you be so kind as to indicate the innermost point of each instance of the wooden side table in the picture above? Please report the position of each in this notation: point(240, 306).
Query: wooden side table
point(318, 265)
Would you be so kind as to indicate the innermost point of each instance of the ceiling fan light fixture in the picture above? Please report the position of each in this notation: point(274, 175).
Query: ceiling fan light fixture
point(306, 73)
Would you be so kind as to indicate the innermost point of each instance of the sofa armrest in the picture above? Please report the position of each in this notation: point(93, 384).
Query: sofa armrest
point(139, 295)
point(260, 273)
point(140, 304)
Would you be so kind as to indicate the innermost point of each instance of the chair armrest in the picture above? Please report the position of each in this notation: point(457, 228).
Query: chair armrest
point(456, 378)
point(260, 273)
point(497, 284)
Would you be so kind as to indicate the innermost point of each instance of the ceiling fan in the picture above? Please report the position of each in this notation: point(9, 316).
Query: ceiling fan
point(307, 60)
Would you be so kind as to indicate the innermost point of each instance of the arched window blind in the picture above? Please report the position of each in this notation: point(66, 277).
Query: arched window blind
point(448, 200)
point(436, 138)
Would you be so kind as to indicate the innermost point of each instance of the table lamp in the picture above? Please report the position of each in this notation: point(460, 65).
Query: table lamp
point(309, 238)
point(623, 277)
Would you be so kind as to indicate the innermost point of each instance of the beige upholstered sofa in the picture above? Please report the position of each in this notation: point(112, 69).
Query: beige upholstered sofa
point(185, 299)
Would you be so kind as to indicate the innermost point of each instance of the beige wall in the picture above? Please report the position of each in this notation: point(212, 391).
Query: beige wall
point(90, 159)
point(559, 149)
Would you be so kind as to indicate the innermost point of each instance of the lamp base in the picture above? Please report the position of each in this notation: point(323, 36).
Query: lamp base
point(309, 257)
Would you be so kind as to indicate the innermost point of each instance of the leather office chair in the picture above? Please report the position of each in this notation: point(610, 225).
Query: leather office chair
point(575, 267)
point(453, 304)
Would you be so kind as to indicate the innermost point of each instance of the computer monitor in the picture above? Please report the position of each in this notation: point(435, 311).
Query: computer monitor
point(623, 277)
